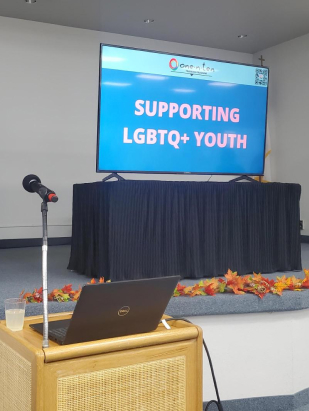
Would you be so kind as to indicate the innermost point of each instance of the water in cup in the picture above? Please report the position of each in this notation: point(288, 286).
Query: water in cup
point(15, 313)
point(15, 319)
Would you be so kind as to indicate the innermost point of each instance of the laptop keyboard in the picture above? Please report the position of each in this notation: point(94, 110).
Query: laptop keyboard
point(58, 333)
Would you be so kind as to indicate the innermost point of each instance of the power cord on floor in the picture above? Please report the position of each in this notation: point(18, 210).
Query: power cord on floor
point(218, 402)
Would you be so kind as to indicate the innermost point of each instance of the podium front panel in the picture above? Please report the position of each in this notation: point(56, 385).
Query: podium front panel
point(160, 370)
point(154, 378)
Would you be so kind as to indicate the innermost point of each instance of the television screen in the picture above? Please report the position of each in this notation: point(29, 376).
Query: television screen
point(167, 113)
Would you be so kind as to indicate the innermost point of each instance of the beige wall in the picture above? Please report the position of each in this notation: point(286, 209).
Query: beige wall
point(288, 117)
point(48, 127)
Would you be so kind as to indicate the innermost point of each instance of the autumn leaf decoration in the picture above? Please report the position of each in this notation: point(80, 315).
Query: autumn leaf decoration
point(64, 294)
point(233, 283)
point(306, 280)
point(254, 284)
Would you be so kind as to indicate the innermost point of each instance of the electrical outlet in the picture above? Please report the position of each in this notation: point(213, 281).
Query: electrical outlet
point(301, 224)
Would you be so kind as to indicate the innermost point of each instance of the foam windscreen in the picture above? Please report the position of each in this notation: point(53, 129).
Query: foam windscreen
point(28, 180)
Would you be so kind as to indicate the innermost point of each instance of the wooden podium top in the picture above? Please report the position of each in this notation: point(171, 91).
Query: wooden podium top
point(32, 341)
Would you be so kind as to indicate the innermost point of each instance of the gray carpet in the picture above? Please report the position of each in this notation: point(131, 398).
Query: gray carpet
point(20, 269)
point(297, 402)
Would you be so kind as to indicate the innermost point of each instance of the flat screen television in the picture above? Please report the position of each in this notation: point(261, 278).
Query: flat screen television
point(169, 113)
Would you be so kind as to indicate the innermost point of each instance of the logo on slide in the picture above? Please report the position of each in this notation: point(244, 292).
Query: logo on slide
point(123, 311)
point(201, 70)
point(174, 64)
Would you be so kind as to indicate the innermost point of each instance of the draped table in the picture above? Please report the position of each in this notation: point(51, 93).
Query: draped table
point(142, 229)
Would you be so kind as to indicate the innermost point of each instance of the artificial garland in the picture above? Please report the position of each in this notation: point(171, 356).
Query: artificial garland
point(233, 283)
point(254, 284)
point(62, 295)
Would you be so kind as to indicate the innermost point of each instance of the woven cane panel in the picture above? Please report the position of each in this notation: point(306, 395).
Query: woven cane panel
point(15, 381)
point(152, 386)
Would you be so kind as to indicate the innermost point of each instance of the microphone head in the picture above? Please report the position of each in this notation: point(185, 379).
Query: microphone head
point(28, 180)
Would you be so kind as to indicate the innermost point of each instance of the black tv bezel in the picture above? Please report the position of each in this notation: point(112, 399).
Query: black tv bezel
point(174, 172)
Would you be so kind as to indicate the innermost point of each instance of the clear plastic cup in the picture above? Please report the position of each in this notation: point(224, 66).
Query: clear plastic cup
point(15, 313)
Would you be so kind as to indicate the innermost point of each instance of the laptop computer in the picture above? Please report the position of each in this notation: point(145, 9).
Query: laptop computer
point(113, 310)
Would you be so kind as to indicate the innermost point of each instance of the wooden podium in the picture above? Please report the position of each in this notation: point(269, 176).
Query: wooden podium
point(160, 370)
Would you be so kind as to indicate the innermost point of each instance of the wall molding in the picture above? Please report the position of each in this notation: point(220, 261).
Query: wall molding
point(37, 242)
point(33, 242)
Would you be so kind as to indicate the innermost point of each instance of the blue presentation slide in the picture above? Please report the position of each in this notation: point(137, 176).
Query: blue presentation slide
point(166, 113)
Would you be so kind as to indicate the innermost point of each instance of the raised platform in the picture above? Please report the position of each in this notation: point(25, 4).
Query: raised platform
point(21, 269)
point(220, 304)
point(259, 354)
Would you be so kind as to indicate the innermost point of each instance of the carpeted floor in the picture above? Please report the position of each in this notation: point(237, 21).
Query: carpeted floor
point(20, 269)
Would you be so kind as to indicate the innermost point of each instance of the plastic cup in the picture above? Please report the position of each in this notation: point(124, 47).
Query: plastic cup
point(15, 313)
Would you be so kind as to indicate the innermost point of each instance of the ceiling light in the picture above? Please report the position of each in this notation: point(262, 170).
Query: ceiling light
point(30, 1)
point(242, 36)
point(149, 21)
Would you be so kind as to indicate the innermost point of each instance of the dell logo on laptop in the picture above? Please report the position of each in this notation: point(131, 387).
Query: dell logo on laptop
point(123, 311)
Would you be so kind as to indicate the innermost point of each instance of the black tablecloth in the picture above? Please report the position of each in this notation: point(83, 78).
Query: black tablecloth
point(140, 229)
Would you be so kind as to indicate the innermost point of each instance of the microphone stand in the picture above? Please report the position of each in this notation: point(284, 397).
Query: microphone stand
point(44, 210)
point(32, 184)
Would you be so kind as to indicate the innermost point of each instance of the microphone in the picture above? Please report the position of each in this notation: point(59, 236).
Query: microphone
point(32, 184)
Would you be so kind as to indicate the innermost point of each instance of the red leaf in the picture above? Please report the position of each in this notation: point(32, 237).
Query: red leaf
point(180, 287)
point(67, 289)
point(306, 283)
point(209, 290)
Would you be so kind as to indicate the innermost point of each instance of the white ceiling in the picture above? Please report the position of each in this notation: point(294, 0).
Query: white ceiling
point(209, 23)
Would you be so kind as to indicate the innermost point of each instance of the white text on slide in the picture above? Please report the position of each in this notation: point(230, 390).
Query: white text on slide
point(186, 111)
point(174, 138)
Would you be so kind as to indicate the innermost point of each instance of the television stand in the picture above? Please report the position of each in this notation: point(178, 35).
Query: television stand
point(247, 178)
point(112, 175)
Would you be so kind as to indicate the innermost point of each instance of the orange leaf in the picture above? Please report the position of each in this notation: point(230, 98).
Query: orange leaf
point(294, 283)
point(235, 282)
point(257, 277)
point(76, 295)
point(305, 283)
point(236, 290)
point(54, 292)
point(280, 286)
point(26, 295)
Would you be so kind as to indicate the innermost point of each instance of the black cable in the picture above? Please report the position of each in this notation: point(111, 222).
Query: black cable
point(218, 402)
